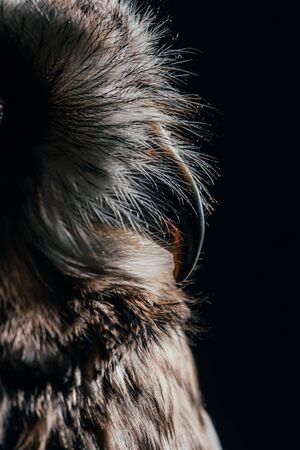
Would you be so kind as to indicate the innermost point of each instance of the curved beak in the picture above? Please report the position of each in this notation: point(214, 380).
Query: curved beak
point(188, 236)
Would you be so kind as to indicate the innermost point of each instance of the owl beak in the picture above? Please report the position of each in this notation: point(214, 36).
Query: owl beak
point(187, 236)
point(188, 239)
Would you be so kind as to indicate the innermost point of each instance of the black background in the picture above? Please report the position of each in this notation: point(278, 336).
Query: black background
point(238, 72)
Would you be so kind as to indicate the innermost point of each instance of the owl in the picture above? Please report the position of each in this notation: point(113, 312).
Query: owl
point(102, 202)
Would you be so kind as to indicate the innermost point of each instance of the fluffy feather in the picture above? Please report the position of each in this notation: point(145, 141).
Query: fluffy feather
point(93, 353)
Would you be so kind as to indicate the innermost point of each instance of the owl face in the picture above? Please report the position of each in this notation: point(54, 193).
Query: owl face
point(99, 179)
point(92, 131)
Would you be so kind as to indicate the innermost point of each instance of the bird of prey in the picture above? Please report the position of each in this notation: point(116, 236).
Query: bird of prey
point(102, 203)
